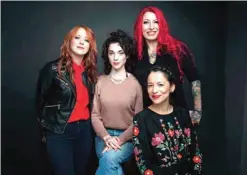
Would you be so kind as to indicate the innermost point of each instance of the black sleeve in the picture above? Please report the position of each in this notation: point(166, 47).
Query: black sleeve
point(188, 66)
point(196, 155)
point(140, 145)
point(195, 158)
point(43, 86)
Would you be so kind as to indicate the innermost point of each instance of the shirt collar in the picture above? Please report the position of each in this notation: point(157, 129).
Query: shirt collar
point(79, 68)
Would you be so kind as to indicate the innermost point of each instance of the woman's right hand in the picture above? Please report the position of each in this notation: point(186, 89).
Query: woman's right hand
point(112, 142)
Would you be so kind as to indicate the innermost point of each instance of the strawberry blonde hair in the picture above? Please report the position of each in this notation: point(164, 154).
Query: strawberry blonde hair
point(89, 59)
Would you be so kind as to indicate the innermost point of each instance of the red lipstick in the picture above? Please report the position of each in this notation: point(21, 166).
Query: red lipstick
point(155, 96)
point(115, 63)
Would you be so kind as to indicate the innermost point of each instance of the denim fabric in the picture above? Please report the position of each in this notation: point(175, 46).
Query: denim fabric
point(110, 161)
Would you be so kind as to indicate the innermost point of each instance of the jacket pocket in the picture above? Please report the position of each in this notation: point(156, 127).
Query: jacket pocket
point(50, 113)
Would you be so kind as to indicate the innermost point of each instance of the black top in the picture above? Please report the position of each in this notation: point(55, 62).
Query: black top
point(166, 144)
point(166, 60)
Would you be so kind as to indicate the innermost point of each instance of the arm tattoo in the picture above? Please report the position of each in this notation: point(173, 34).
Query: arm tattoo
point(196, 93)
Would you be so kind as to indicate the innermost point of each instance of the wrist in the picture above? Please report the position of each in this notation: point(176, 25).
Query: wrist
point(196, 115)
point(123, 139)
point(105, 138)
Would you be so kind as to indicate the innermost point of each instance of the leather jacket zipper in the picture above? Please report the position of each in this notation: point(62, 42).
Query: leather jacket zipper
point(59, 105)
point(52, 106)
point(62, 81)
point(65, 125)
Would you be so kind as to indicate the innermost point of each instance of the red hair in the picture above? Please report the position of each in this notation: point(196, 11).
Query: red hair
point(89, 58)
point(165, 41)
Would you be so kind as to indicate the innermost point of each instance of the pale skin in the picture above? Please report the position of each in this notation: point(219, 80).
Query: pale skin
point(117, 59)
point(150, 29)
point(79, 46)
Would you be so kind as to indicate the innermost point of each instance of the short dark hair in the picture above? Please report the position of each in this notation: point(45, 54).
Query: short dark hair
point(128, 45)
point(165, 70)
point(168, 74)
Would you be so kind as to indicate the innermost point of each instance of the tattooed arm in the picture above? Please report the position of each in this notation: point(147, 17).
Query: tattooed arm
point(196, 93)
point(192, 74)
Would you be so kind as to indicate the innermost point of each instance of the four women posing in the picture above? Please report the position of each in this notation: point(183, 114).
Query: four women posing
point(161, 135)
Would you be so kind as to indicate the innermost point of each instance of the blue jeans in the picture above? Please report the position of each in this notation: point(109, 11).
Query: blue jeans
point(69, 152)
point(110, 161)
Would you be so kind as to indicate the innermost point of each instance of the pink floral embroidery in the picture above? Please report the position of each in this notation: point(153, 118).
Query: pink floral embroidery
point(177, 133)
point(187, 132)
point(136, 151)
point(176, 148)
point(158, 139)
point(171, 132)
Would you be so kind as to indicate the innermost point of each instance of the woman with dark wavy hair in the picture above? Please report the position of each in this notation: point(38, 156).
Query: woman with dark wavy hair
point(64, 97)
point(117, 98)
point(156, 46)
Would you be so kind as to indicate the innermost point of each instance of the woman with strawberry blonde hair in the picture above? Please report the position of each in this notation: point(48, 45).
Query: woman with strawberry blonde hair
point(64, 98)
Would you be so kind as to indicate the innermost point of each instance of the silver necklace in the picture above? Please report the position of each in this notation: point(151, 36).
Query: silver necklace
point(152, 57)
point(117, 81)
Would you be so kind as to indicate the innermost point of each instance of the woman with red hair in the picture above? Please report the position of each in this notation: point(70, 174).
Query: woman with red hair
point(156, 46)
point(64, 98)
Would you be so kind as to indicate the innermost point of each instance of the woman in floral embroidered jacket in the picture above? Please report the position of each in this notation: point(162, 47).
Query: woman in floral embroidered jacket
point(164, 138)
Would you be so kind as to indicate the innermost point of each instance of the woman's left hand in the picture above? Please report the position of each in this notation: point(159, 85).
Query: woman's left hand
point(195, 116)
point(107, 148)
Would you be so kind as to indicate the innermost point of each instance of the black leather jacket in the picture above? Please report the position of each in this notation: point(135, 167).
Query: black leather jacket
point(56, 97)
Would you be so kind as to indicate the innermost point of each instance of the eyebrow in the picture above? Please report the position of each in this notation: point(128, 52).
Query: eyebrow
point(81, 36)
point(156, 82)
point(149, 20)
point(117, 51)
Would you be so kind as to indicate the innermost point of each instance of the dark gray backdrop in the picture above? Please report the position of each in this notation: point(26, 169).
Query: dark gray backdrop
point(32, 33)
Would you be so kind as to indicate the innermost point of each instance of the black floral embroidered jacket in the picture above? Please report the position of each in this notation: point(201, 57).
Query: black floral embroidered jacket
point(166, 144)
